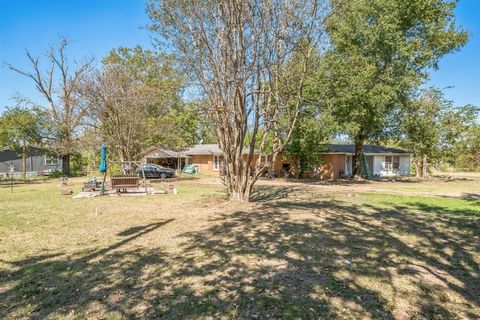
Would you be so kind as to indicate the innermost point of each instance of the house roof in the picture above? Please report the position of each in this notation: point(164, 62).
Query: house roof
point(8, 155)
point(368, 149)
point(210, 149)
point(161, 153)
point(204, 149)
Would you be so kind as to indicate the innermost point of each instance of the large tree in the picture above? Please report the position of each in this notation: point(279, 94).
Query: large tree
point(381, 50)
point(248, 60)
point(310, 138)
point(59, 84)
point(20, 129)
point(465, 153)
point(431, 127)
point(137, 102)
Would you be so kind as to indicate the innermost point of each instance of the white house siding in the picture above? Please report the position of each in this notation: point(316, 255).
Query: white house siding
point(405, 165)
point(379, 166)
point(348, 165)
point(378, 163)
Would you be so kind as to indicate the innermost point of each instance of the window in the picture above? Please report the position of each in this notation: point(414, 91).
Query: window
point(51, 161)
point(396, 163)
point(265, 158)
point(217, 162)
point(392, 163)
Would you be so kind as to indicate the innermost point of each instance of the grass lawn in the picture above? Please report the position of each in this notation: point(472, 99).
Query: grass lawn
point(298, 251)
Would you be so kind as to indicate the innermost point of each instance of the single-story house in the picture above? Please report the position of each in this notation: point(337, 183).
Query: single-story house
point(208, 158)
point(382, 161)
point(38, 162)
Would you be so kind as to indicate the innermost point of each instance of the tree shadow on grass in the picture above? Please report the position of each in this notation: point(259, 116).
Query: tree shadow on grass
point(269, 193)
point(342, 260)
point(331, 182)
point(286, 259)
point(444, 247)
point(40, 286)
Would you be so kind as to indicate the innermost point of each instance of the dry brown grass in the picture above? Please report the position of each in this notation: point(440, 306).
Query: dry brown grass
point(298, 251)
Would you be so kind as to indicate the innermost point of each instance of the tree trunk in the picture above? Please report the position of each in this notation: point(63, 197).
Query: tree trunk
point(424, 167)
point(239, 196)
point(123, 158)
point(417, 166)
point(357, 158)
point(240, 189)
point(24, 162)
point(299, 169)
point(66, 164)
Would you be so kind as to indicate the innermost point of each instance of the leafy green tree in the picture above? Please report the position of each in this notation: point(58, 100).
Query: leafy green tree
point(155, 70)
point(381, 51)
point(431, 127)
point(153, 112)
point(19, 130)
point(308, 140)
point(181, 127)
point(465, 154)
point(137, 98)
point(461, 127)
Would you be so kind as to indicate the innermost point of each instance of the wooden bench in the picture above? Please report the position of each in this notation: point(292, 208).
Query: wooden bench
point(122, 182)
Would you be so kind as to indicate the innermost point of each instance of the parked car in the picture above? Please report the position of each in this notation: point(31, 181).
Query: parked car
point(155, 171)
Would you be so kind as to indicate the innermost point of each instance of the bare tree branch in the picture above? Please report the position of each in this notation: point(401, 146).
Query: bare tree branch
point(249, 59)
point(60, 87)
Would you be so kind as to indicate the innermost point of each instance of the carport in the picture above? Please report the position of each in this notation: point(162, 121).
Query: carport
point(166, 158)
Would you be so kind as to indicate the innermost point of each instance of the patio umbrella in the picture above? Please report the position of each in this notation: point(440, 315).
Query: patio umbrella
point(103, 159)
point(103, 166)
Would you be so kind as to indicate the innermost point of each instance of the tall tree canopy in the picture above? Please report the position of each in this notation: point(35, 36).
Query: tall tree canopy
point(240, 55)
point(465, 153)
point(152, 70)
point(381, 51)
point(132, 86)
point(431, 127)
point(138, 103)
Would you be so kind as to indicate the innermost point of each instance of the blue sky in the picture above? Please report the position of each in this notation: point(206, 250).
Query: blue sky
point(96, 26)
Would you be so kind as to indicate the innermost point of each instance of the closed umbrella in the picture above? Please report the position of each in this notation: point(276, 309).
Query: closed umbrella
point(103, 159)
point(103, 166)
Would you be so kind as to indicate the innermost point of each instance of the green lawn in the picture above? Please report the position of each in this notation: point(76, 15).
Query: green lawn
point(296, 252)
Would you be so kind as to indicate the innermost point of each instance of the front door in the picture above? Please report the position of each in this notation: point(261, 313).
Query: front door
point(370, 164)
point(348, 165)
point(218, 162)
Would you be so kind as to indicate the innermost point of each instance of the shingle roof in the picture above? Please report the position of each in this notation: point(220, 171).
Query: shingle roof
point(8, 155)
point(160, 153)
point(368, 148)
point(165, 153)
point(209, 149)
point(203, 149)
